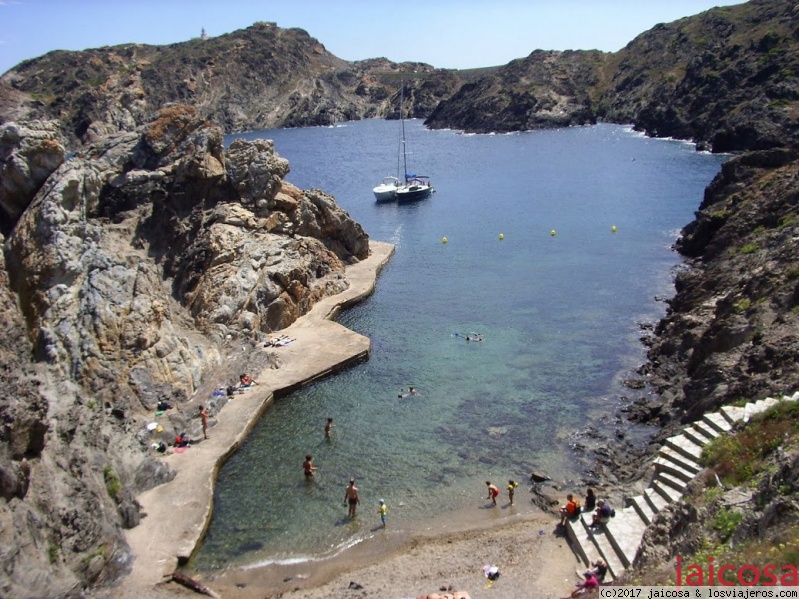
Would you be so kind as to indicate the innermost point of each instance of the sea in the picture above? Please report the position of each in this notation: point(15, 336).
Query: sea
point(554, 247)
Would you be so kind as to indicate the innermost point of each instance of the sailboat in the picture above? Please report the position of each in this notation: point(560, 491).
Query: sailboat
point(414, 187)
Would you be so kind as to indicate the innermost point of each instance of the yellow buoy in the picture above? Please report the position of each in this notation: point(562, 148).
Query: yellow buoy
point(552, 232)
point(443, 240)
point(613, 229)
point(501, 236)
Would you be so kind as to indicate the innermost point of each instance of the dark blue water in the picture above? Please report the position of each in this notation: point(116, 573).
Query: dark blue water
point(560, 315)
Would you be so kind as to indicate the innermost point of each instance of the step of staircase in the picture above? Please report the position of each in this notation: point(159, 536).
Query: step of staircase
point(765, 404)
point(643, 508)
point(732, 414)
point(672, 481)
point(655, 500)
point(718, 422)
point(668, 466)
point(693, 434)
point(624, 532)
point(681, 444)
point(684, 462)
point(670, 494)
point(706, 430)
point(597, 544)
point(750, 410)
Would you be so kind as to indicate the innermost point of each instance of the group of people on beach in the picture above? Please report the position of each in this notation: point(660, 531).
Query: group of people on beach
point(493, 491)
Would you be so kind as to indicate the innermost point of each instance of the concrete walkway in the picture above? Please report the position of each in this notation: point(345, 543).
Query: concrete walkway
point(676, 464)
point(179, 512)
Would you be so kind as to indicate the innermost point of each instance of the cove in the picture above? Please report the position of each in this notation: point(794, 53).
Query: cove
point(560, 316)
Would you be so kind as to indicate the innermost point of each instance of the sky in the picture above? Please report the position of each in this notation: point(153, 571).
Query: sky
point(455, 34)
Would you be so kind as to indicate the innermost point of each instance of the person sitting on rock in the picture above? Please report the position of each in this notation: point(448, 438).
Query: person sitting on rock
point(569, 511)
point(602, 513)
point(247, 381)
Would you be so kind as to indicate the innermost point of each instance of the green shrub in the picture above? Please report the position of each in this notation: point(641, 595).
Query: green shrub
point(725, 522)
point(743, 304)
point(738, 458)
point(112, 483)
point(749, 248)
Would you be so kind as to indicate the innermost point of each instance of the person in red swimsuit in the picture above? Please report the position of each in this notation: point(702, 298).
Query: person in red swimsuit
point(493, 491)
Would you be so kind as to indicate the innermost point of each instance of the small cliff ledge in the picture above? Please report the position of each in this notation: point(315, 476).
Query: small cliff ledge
point(129, 271)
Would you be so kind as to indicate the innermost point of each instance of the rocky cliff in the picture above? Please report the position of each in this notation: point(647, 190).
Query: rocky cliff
point(730, 331)
point(128, 272)
point(727, 78)
point(260, 77)
point(544, 90)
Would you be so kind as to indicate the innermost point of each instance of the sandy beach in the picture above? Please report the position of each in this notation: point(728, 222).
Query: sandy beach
point(533, 559)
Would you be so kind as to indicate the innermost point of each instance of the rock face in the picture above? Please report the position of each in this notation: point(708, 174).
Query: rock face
point(730, 331)
point(544, 90)
point(28, 154)
point(728, 77)
point(259, 77)
point(126, 272)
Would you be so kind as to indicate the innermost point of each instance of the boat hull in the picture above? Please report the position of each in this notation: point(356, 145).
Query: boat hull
point(388, 194)
point(387, 190)
point(414, 193)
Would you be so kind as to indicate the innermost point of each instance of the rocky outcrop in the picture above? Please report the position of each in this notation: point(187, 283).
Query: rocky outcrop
point(730, 329)
point(259, 77)
point(544, 90)
point(126, 276)
point(728, 78)
point(29, 153)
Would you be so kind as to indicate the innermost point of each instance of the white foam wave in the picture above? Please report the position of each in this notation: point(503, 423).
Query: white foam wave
point(303, 559)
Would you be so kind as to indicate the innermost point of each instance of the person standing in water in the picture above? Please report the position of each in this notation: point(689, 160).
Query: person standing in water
point(512, 484)
point(493, 491)
point(308, 466)
point(351, 498)
point(383, 511)
point(329, 427)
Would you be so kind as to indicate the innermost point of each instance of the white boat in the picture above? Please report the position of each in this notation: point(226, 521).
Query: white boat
point(387, 190)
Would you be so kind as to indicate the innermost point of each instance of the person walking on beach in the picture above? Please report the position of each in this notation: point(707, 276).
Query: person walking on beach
point(308, 466)
point(351, 498)
point(493, 491)
point(204, 419)
point(329, 427)
point(383, 511)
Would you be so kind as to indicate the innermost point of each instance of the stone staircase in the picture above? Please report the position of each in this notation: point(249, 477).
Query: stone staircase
point(676, 464)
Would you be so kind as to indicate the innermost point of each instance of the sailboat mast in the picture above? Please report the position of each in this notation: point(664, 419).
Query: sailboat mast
point(402, 128)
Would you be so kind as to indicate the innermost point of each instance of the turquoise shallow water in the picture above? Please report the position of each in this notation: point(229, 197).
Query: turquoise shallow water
point(560, 316)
